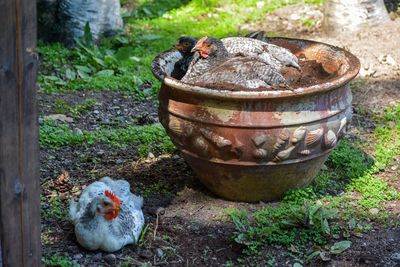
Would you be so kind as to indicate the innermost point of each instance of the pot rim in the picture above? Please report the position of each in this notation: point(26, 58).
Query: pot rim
point(174, 84)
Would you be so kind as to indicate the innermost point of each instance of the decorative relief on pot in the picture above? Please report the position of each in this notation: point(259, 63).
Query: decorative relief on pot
point(200, 144)
point(261, 144)
point(282, 141)
point(179, 127)
point(260, 154)
point(259, 140)
point(313, 137)
point(342, 127)
point(284, 154)
point(305, 152)
point(216, 139)
point(298, 135)
point(330, 139)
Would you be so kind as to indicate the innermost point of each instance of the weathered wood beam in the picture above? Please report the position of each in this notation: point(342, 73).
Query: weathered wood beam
point(19, 177)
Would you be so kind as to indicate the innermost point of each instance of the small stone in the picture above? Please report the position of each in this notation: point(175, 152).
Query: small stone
point(175, 157)
point(110, 259)
point(150, 155)
point(98, 256)
point(374, 211)
point(59, 117)
point(146, 254)
point(96, 111)
point(78, 131)
point(119, 161)
point(100, 152)
point(324, 167)
point(78, 256)
point(159, 253)
point(395, 257)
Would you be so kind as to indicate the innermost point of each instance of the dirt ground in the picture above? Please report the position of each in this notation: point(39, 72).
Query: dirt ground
point(187, 224)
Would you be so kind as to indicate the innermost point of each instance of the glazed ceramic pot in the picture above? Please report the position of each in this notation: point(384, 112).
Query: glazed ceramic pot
point(256, 145)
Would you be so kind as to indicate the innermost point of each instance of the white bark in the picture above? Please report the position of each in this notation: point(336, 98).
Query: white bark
point(353, 15)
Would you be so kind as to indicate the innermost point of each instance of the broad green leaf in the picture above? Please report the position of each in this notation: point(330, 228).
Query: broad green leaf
point(313, 255)
point(83, 74)
point(99, 61)
point(105, 73)
point(324, 256)
point(52, 78)
point(70, 74)
point(83, 69)
point(325, 226)
point(339, 247)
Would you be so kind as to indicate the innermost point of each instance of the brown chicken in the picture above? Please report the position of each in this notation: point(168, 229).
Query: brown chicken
point(216, 67)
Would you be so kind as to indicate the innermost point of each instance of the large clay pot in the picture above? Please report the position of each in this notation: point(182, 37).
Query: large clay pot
point(256, 145)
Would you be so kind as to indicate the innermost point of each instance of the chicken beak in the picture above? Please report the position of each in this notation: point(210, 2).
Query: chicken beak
point(195, 49)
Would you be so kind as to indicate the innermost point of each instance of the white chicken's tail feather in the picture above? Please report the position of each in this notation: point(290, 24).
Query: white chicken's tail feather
point(138, 200)
point(73, 210)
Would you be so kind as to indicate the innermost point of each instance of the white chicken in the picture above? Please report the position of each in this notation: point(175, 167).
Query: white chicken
point(107, 216)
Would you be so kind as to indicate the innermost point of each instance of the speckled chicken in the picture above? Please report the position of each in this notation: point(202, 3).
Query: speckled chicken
point(107, 216)
point(274, 55)
point(277, 60)
point(216, 67)
point(184, 45)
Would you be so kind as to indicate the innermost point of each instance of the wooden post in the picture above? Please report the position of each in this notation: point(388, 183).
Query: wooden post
point(19, 177)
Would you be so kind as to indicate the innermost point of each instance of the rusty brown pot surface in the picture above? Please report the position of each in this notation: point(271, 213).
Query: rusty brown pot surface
point(256, 145)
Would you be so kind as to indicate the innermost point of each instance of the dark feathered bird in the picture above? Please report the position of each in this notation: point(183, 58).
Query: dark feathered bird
point(184, 45)
point(216, 67)
point(210, 53)
point(259, 35)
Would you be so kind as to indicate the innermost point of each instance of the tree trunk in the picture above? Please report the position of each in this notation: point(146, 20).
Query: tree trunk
point(352, 15)
point(65, 20)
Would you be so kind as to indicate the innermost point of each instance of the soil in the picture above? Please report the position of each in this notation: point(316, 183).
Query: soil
point(187, 225)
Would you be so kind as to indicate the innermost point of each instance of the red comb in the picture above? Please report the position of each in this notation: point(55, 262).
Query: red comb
point(201, 41)
point(113, 197)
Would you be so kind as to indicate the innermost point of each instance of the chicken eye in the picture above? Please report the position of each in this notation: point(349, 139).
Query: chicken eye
point(186, 44)
point(105, 204)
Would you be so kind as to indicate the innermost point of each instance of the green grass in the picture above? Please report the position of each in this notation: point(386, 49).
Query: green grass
point(123, 62)
point(326, 211)
point(76, 110)
point(54, 209)
point(145, 138)
point(58, 261)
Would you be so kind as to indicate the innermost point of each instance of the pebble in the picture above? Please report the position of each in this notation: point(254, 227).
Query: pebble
point(96, 111)
point(110, 259)
point(100, 152)
point(150, 155)
point(159, 253)
point(146, 254)
point(175, 157)
point(395, 257)
point(374, 211)
point(98, 256)
point(78, 131)
point(119, 161)
point(78, 256)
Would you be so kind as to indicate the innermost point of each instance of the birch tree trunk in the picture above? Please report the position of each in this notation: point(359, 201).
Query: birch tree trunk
point(353, 15)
